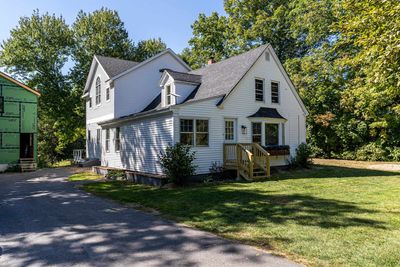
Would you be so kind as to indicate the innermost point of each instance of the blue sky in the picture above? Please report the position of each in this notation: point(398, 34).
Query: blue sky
point(168, 19)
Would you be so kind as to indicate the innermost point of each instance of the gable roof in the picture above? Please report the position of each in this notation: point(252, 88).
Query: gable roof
point(9, 78)
point(220, 78)
point(114, 66)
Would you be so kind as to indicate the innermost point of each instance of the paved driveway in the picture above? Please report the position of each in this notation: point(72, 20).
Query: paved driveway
point(45, 220)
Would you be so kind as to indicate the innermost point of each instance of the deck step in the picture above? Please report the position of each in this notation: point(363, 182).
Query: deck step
point(27, 165)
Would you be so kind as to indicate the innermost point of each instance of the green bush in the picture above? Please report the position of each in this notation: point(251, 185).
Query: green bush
point(177, 163)
point(371, 152)
point(394, 154)
point(302, 158)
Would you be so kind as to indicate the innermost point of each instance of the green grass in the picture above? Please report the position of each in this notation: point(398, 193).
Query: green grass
point(323, 216)
point(62, 163)
point(84, 176)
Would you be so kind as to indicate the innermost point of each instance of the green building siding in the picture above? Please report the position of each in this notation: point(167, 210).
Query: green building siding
point(19, 116)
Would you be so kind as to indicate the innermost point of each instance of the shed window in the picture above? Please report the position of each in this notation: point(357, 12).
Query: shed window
point(1, 104)
point(259, 88)
point(274, 92)
point(194, 132)
point(98, 91)
point(229, 130)
point(256, 132)
point(107, 140)
point(117, 139)
point(271, 134)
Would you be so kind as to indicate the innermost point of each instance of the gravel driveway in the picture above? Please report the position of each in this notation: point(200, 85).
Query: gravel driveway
point(47, 221)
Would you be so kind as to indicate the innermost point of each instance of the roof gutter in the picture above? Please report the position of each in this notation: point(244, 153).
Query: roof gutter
point(134, 117)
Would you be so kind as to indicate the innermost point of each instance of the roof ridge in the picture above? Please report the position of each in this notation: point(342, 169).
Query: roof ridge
point(116, 58)
point(231, 58)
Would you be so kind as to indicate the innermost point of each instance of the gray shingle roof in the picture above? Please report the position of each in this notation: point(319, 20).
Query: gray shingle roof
point(184, 76)
point(267, 113)
point(220, 78)
point(115, 66)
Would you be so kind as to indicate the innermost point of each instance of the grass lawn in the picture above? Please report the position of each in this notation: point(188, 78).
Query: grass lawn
point(84, 176)
point(323, 216)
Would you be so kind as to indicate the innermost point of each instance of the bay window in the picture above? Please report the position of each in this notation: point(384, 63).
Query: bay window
point(271, 134)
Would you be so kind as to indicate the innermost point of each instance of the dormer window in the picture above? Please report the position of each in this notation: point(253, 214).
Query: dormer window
point(98, 91)
point(168, 95)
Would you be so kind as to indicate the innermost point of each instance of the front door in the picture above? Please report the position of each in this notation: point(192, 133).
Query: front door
point(26, 146)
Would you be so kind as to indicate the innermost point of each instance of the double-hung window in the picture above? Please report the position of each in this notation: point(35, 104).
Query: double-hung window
point(274, 92)
point(98, 91)
point(229, 130)
point(90, 102)
point(194, 132)
point(259, 89)
point(98, 136)
point(107, 140)
point(168, 95)
point(117, 139)
point(88, 136)
point(108, 93)
point(256, 132)
point(271, 134)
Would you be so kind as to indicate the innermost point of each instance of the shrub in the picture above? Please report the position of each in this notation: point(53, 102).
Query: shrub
point(394, 153)
point(177, 163)
point(116, 175)
point(302, 158)
point(371, 152)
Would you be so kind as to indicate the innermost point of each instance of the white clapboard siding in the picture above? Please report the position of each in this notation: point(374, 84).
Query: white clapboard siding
point(141, 143)
point(239, 105)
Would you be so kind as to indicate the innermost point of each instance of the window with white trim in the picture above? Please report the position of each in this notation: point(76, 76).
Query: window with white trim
point(229, 130)
point(274, 92)
point(98, 136)
point(108, 93)
point(98, 91)
point(259, 89)
point(88, 135)
point(90, 102)
point(256, 132)
point(107, 140)
point(168, 95)
point(117, 139)
point(194, 132)
point(271, 134)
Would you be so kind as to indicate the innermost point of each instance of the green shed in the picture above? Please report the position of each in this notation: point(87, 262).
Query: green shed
point(18, 122)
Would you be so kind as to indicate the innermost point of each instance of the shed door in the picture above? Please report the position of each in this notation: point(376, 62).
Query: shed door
point(26, 146)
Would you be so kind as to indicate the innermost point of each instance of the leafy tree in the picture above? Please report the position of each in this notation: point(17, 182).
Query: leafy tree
point(212, 39)
point(148, 48)
point(37, 51)
point(99, 33)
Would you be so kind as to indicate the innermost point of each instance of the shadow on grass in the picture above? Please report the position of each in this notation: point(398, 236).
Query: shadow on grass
point(321, 171)
point(232, 207)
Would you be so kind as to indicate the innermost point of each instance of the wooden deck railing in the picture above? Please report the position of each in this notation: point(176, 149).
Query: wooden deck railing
point(245, 158)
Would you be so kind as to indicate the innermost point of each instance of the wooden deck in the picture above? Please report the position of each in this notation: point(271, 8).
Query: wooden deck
point(250, 160)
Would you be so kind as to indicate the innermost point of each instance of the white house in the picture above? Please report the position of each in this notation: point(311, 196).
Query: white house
point(242, 107)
